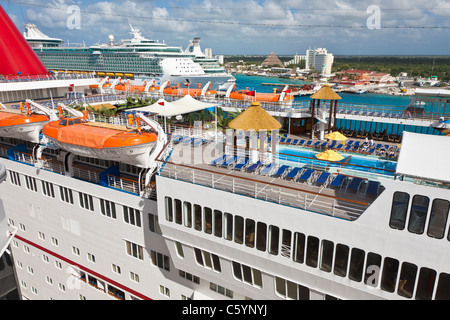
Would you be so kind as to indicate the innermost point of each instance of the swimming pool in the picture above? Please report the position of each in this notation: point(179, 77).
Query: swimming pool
point(296, 155)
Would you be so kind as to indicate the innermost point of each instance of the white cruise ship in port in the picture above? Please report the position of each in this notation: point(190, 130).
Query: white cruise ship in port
point(193, 224)
point(138, 58)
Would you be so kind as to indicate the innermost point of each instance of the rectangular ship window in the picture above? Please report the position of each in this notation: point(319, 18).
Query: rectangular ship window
point(341, 260)
point(418, 214)
point(399, 209)
point(438, 218)
point(169, 213)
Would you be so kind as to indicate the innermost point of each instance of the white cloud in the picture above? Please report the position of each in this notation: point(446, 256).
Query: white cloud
point(249, 26)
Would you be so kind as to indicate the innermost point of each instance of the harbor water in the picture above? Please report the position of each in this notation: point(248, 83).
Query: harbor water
point(393, 103)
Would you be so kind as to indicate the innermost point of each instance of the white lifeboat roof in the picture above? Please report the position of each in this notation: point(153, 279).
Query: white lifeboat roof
point(424, 156)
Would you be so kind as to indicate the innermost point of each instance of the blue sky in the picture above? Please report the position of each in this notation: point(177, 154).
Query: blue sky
point(253, 27)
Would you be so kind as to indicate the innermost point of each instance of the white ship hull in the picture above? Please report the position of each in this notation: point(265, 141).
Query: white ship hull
point(27, 132)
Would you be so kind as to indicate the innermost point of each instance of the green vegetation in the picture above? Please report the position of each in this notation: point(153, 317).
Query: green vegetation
point(414, 66)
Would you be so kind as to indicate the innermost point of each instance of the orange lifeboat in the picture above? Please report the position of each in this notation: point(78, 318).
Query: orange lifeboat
point(101, 140)
point(134, 88)
point(22, 125)
point(247, 95)
point(194, 92)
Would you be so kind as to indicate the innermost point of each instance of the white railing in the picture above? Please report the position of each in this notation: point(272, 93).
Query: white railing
point(87, 175)
point(284, 195)
point(23, 157)
point(123, 184)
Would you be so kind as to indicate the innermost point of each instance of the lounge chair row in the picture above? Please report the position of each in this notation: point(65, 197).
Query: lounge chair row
point(186, 140)
point(299, 174)
point(374, 113)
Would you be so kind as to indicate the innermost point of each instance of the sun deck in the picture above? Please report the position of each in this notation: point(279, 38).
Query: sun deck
point(301, 186)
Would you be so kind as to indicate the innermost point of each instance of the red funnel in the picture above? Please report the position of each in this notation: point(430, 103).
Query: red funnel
point(16, 56)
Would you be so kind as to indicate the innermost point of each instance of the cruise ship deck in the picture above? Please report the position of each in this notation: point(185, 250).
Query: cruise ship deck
point(334, 191)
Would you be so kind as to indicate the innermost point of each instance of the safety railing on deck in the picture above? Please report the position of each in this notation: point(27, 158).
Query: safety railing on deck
point(284, 195)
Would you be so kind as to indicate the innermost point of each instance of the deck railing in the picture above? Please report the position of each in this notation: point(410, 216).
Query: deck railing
point(284, 195)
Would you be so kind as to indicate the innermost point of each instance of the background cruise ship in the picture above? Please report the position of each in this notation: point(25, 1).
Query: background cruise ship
point(137, 58)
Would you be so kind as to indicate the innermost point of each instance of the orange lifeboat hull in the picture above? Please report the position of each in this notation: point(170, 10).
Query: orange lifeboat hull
point(22, 126)
point(261, 97)
point(102, 141)
point(181, 92)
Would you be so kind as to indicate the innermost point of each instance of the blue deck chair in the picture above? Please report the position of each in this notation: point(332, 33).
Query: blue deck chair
point(306, 175)
point(197, 142)
point(317, 144)
point(301, 142)
point(253, 167)
point(323, 145)
point(288, 140)
point(293, 173)
point(267, 169)
point(229, 161)
point(371, 151)
point(308, 143)
point(241, 163)
point(282, 140)
point(379, 146)
point(348, 147)
point(295, 141)
point(338, 181)
point(187, 140)
point(332, 144)
point(339, 146)
point(355, 184)
point(372, 188)
point(323, 178)
point(220, 159)
point(281, 170)
point(177, 139)
point(349, 143)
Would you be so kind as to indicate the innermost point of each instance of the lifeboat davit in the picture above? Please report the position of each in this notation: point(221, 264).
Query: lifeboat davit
point(102, 140)
point(21, 124)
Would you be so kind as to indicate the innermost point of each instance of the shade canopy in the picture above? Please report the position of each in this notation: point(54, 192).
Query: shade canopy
point(336, 136)
point(184, 105)
point(329, 155)
point(326, 93)
point(424, 156)
point(255, 118)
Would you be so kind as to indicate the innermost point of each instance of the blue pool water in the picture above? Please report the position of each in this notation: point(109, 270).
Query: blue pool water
point(370, 164)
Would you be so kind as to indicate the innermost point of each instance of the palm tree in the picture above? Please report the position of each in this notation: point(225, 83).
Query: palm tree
point(224, 119)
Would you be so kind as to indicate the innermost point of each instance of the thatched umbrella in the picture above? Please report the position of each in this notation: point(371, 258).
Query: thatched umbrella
point(255, 118)
point(325, 93)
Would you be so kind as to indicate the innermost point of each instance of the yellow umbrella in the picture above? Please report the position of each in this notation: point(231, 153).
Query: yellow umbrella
point(329, 155)
point(336, 136)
